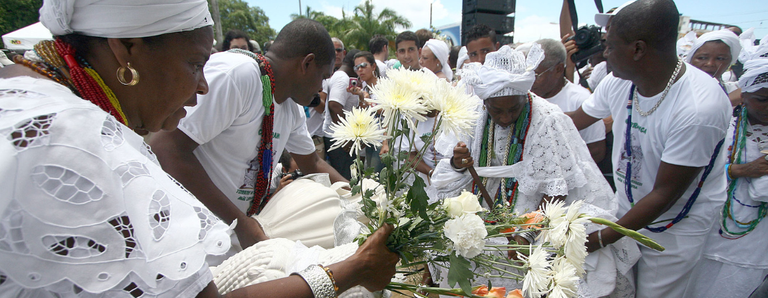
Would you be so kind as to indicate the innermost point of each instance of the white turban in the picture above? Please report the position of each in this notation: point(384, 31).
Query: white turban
point(124, 18)
point(505, 72)
point(463, 57)
point(724, 35)
point(756, 75)
point(684, 44)
point(441, 51)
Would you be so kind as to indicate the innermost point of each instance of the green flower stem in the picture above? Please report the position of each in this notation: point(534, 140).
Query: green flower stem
point(516, 276)
point(503, 264)
point(432, 290)
point(627, 232)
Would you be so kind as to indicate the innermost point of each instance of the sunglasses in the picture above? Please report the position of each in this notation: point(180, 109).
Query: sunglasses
point(339, 50)
point(361, 65)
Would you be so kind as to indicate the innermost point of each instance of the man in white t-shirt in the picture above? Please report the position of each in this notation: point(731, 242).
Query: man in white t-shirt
point(214, 153)
point(379, 47)
point(552, 85)
point(315, 120)
point(679, 118)
point(340, 100)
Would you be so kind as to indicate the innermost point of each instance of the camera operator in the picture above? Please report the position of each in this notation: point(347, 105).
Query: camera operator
point(285, 172)
point(340, 100)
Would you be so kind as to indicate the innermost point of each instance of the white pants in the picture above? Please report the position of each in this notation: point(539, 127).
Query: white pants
point(666, 273)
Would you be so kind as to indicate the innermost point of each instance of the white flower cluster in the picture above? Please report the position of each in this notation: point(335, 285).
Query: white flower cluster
point(465, 229)
point(559, 277)
point(359, 126)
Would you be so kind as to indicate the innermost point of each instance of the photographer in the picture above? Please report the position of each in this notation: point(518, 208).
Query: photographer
point(340, 100)
point(285, 172)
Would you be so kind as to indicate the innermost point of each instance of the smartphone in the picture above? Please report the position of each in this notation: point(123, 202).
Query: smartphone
point(353, 82)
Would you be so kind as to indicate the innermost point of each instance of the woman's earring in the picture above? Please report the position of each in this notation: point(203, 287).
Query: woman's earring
point(121, 75)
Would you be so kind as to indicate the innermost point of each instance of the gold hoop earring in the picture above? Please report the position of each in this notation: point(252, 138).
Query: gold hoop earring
point(121, 75)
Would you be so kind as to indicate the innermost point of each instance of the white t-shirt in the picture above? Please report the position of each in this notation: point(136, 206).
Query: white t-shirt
point(226, 123)
point(337, 91)
point(597, 75)
point(570, 99)
point(382, 68)
point(684, 131)
point(314, 122)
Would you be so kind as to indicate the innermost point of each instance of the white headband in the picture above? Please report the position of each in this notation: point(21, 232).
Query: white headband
point(506, 72)
point(124, 18)
point(724, 35)
point(441, 51)
point(756, 75)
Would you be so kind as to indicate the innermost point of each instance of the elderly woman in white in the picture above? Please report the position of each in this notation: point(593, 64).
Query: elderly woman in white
point(434, 56)
point(526, 152)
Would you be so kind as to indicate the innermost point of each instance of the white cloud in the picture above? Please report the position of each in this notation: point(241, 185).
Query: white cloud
point(416, 11)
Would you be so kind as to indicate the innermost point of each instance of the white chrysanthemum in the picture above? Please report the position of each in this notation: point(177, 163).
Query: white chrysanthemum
point(467, 232)
point(564, 279)
point(567, 231)
point(422, 82)
point(358, 126)
point(398, 100)
point(465, 203)
point(458, 110)
point(538, 275)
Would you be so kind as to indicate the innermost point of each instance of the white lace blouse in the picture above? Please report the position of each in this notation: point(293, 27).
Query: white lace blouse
point(86, 210)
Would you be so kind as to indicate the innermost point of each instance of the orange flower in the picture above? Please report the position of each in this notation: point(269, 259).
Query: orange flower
point(516, 293)
point(531, 218)
point(493, 293)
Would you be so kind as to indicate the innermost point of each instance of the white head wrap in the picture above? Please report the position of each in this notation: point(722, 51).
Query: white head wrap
point(505, 72)
point(124, 18)
point(755, 76)
point(463, 57)
point(724, 35)
point(685, 44)
point(440, 49)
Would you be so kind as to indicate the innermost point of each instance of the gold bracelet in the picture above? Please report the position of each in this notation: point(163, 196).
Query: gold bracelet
point(330, 275)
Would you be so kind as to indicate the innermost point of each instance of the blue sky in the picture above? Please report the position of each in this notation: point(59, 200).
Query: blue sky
point(534, 18)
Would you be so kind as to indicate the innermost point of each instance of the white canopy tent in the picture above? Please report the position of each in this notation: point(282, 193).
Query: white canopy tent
point(25, 38)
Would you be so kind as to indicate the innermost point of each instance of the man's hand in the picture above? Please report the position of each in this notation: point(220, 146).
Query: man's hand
point(753, 169)
point(461, 157)
point(375, 262)
point(284, 182)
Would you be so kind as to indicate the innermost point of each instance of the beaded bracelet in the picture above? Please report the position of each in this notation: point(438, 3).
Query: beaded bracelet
point(320, 282)
point(728, 171)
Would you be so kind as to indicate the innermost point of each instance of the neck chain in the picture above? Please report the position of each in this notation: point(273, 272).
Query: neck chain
point(663, 94)
point(507, 191)
point(59, 63)
point(737, 150)
point(628, 175)
point(263, 179)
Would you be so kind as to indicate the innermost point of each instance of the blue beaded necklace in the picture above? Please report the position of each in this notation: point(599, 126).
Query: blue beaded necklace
point(628, 178)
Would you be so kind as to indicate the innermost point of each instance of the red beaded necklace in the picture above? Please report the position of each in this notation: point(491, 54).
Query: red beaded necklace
point(263, 178)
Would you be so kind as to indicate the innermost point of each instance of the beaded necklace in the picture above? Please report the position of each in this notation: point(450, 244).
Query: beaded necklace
point(628, 176)
point(261, 193)
point(507, 191)
point(737, 150)
point(61, 65)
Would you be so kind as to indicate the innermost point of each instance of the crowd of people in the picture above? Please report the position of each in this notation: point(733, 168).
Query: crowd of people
point(663, 135)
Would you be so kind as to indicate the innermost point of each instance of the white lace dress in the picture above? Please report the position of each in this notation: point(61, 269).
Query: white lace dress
point(85, 209)
point(556, 162)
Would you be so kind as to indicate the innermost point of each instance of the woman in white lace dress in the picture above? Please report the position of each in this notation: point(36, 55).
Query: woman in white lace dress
point(85, 209)
point(526, 152)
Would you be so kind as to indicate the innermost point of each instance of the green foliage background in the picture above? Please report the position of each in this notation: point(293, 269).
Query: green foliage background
point(15, 14)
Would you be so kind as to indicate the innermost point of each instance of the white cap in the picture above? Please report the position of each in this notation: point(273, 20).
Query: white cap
point(601, 19)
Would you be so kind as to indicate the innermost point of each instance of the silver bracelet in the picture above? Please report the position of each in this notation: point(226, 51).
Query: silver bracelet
point(530, 236)
point(318, 280)
point(600, 238)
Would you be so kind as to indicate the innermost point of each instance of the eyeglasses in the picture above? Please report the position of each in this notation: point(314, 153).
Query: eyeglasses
point(339, 50)
point(548, 69)
point(361, 65)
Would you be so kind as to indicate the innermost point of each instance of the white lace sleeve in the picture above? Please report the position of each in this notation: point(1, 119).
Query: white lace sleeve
point(85, 207)
point(447, 182)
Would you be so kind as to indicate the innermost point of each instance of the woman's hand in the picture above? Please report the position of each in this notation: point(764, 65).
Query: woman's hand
point(461, 157)
point(384, 148)
point(753, 169)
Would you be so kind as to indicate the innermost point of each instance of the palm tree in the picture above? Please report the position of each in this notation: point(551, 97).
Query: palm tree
point(365, 24)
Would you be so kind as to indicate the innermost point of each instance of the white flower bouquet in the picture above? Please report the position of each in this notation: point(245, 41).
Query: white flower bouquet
point(453, 233)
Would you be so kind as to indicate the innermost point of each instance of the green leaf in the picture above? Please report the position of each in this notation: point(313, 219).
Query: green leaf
point(356, 189)
point(403, 155)
point(368, 193)
point(417, 197)
point(459, 273)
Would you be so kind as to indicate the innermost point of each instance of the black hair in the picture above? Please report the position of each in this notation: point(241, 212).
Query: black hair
point(480, 31)
point(285, 160)
point(371, 60)
point(349, 59)
point(302, 37)
point(652, 21)
point(453, 56)
point(424, 35)
point(406, 36)
point(377, 43)
point(232, 35)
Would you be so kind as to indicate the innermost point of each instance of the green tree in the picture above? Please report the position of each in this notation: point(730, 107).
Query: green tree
point(236, 14)
point(366, 23)
point(15, 14)
point(336, 27)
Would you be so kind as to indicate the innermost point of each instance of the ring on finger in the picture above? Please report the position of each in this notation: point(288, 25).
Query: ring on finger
point(464, 161)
